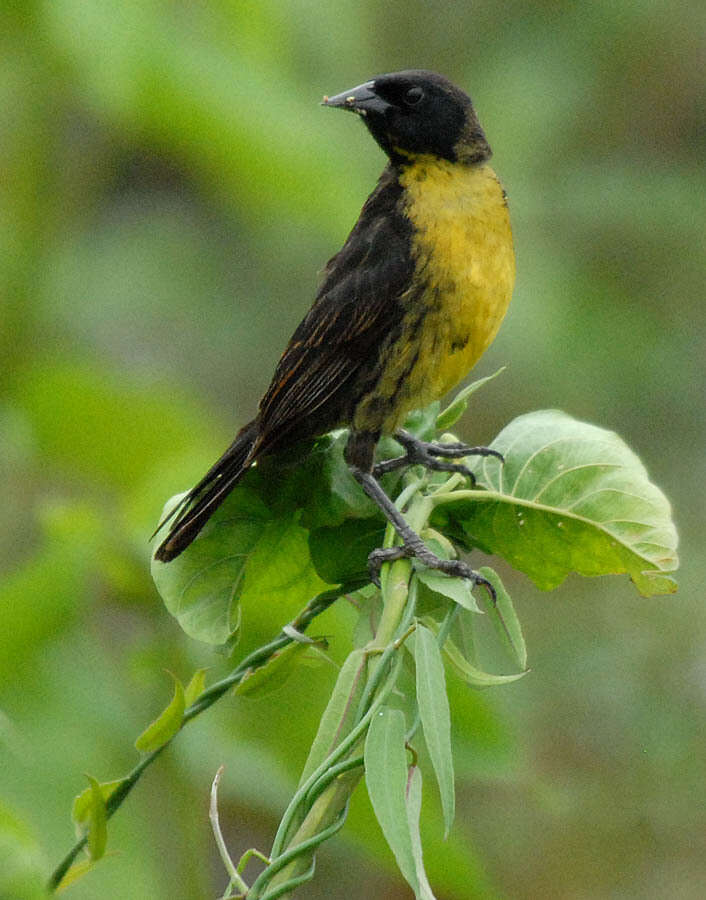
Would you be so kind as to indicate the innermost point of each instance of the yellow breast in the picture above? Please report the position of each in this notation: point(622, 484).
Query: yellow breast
point(464, 255)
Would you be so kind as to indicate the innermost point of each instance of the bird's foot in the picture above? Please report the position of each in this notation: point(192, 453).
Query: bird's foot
point(433, 455)
point(454, 567)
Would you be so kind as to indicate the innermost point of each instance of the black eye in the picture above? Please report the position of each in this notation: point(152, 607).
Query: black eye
point(414, 96)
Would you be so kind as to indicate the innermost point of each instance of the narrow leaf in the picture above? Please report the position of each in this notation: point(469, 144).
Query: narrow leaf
point(273, 674)
point(195, 687)
point(336, 720)
point(386, 780)
point(504, 618)
point(414, 809)
point(453, 412)
point(97, 822)
point(435, 716)
point(166, 725)
point(457, 589)
point(75, 873)
point(472, 675)
point(82, 802)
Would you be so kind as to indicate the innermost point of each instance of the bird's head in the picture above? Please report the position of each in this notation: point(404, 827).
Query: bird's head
point(414, 113)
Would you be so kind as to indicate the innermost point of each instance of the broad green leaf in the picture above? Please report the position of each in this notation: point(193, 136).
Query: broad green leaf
point(471, 674)
point(386, 781)
point(457, 589)
point(166, 725)
point(435, 716)
point(279, 570)
point(453, 412)
point(333, 495)
point(414, 809)
point(504, 618)
point(97, 821)
point(274, 673)
point(571, 497)
point(195, 687)
point(340, 553)
point(202, 586)
point(82, 802)
point(335, 722)
point(244, 553)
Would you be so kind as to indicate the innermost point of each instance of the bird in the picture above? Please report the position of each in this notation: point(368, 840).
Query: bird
point(403, 312)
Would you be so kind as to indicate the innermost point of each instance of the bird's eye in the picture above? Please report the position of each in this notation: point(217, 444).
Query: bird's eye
point(413, 96)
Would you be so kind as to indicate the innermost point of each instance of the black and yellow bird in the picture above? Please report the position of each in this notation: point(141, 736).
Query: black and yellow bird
point(404, 310)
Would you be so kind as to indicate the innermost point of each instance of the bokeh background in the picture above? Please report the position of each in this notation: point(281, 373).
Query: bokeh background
point(169, 188)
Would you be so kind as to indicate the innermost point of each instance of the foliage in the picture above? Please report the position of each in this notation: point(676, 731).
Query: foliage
point(555, 471)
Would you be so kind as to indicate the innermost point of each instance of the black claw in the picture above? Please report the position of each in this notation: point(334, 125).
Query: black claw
point(431, 455)
point(480, 581)
point(382, 555)
point(455, 568)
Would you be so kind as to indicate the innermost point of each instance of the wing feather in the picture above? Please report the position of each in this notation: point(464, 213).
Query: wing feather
point(357, 306)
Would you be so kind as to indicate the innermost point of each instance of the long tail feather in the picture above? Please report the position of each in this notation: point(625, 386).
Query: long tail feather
point(201, 502)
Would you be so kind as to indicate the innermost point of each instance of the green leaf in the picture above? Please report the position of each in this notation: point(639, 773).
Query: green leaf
point(97, 821)
point(201, 587)
point(195, 687)
point(279, 569)
point(472, 675)
point(75, 873)
point(435, 716)
point(246, 553)
point(422, 422)
point(332, 494)
point(453, 412)
point(336, 720)
point(166, 725)
point(82, 802)
point(386, 781)
point(504, 618)
point(414, 809)
point(340, 553)
point(571, 497)
point(274, 673)
point(457, 589)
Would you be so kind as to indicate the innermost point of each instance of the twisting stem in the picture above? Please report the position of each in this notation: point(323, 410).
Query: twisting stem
point(253, 661)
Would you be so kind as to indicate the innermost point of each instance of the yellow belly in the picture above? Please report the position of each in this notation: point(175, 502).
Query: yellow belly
point(463, 249)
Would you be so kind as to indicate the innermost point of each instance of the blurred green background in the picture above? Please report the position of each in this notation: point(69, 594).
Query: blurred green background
point(169, 188)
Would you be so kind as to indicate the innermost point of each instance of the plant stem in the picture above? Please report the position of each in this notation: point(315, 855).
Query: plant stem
point(331, 801)
point(254, 661)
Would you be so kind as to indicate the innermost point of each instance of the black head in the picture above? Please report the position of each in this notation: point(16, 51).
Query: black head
point(417, 112)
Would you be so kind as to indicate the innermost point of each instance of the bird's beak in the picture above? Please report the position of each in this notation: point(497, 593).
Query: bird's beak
point(361, 100)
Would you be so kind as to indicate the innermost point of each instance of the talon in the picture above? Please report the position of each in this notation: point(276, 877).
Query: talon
point(380, 556)
point(484, 583)
point(431, 455)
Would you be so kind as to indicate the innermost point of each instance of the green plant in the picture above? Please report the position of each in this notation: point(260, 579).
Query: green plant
point(569, 497)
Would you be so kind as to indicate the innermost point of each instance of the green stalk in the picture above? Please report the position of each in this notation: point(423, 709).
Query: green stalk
point(331, 801)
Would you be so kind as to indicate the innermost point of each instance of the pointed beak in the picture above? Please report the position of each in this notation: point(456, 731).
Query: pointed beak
point(361, 100)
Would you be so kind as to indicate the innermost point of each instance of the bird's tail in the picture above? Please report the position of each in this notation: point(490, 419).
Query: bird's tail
point(201, 502)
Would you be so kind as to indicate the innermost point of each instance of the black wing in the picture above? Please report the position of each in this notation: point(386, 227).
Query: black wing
point(356, 308)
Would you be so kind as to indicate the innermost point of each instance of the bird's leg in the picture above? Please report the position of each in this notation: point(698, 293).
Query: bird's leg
point(412, 544)
point(432, 455)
